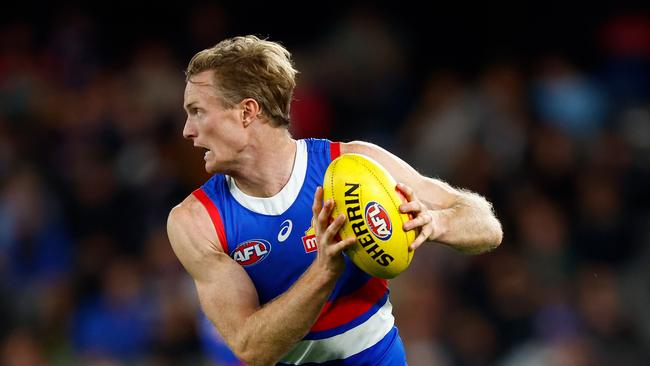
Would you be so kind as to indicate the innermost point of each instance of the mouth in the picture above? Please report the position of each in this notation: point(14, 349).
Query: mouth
point(207, 151)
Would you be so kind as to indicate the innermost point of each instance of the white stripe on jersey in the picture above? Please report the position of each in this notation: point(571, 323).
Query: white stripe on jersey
point(281, 202)
point(344, 345)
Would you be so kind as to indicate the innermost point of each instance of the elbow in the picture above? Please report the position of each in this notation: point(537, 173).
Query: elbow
point(489, 240)
point(251, 355)
point(497, 234)
point(495, 230)
point(248, 356)
point(493, 236)
point(245, 353)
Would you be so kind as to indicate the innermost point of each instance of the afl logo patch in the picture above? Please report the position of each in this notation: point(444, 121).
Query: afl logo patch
point(251, 252)
point(378, 221)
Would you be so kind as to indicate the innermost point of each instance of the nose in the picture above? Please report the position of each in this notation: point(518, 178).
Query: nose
point(189, 131)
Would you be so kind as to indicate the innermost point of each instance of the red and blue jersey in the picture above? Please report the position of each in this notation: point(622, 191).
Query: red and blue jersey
point(271, 239)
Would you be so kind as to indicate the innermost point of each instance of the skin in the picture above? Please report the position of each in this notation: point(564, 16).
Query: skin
point(236, 143)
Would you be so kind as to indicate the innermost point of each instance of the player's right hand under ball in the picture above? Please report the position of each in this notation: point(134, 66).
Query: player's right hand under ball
point(330, 250)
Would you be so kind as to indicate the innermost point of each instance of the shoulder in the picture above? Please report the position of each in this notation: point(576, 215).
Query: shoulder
point(194, 240)
point(189, 227)
point(400, 170)
point(361, 147)
point(188, 210)
point(369, 149)
point(388, 160)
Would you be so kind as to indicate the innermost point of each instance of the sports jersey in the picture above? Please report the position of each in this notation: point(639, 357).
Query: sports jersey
point(271, 239)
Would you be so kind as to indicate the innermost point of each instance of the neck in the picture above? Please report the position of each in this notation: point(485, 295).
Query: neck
point(266, 164)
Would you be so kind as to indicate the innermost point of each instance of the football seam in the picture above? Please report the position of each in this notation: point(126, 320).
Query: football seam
point(362, 161)
point(335, 162)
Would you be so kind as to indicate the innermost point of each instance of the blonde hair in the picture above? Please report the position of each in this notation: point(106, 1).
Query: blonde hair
point(250, 67)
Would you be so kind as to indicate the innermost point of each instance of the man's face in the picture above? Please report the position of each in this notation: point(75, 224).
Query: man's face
point(209, 125)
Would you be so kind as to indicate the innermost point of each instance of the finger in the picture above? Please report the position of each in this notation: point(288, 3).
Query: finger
point(342, 245)
point(418, 221)
point(325, 214)
point(334, 227)
point(323, 219)
point(418, 241)
point(411, 207)
point(407, 191)
point(318, 201)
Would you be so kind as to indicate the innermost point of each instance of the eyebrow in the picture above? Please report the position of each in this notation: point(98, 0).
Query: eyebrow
point(189, 105)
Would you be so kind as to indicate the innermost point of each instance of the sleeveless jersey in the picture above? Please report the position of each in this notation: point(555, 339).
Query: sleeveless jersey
point(271, 239)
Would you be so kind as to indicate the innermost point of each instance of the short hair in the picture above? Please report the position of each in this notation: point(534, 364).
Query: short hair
point(250, 67)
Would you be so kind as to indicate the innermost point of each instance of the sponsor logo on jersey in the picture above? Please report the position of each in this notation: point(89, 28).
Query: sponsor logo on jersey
point(378, 221)
point(309, 241)
point(285, 230)
point(251, 252)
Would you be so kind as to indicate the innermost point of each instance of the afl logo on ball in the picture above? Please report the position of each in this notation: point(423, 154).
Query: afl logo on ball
point(251, 252)
point(378, 221)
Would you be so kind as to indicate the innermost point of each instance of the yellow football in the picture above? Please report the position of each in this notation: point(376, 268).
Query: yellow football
point(366, 193)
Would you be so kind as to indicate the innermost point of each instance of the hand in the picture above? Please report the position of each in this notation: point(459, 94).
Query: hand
point(422, 218)
point(329, 248)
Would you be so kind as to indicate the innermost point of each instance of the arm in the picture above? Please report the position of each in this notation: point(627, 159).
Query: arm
point(257, 335)
point(458, 218)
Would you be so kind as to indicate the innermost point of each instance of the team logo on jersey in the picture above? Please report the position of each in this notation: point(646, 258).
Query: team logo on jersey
point(309, 241)
point(378, 221)
point(285, 230)
point(251, 252)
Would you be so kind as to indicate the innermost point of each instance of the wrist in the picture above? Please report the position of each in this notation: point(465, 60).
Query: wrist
point(323, 276)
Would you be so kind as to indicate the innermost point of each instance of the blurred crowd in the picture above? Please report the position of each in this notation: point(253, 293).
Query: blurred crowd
point(92, 159)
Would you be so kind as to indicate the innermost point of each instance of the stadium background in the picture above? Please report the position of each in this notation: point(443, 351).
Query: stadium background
point(544, 109)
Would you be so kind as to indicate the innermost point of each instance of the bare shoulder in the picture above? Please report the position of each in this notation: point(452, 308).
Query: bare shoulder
point(433, 190)
point(376, 152)
point(400, 169)
point(361, 147)
point(191, 217)
point(192, 235)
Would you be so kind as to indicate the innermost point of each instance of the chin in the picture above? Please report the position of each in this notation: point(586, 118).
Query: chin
point(212, 168)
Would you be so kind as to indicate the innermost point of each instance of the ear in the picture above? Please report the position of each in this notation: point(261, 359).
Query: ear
point(250, 110)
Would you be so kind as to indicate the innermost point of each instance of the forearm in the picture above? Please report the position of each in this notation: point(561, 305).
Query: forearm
point(275, 328)
point(468, 225)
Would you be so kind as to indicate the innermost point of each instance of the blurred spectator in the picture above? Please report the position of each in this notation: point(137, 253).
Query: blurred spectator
point(553, 161)
point(599, 303)
point(22, 349)
point(311, 111)
point(473, 339)
point(564, 352)
point(117, 322)
point(421, 326)
point(568, 100)
point(454, 124)
point(625, 41)
point(441, 124)
point(634, 295)
point(371, 89)
point(33, 238)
